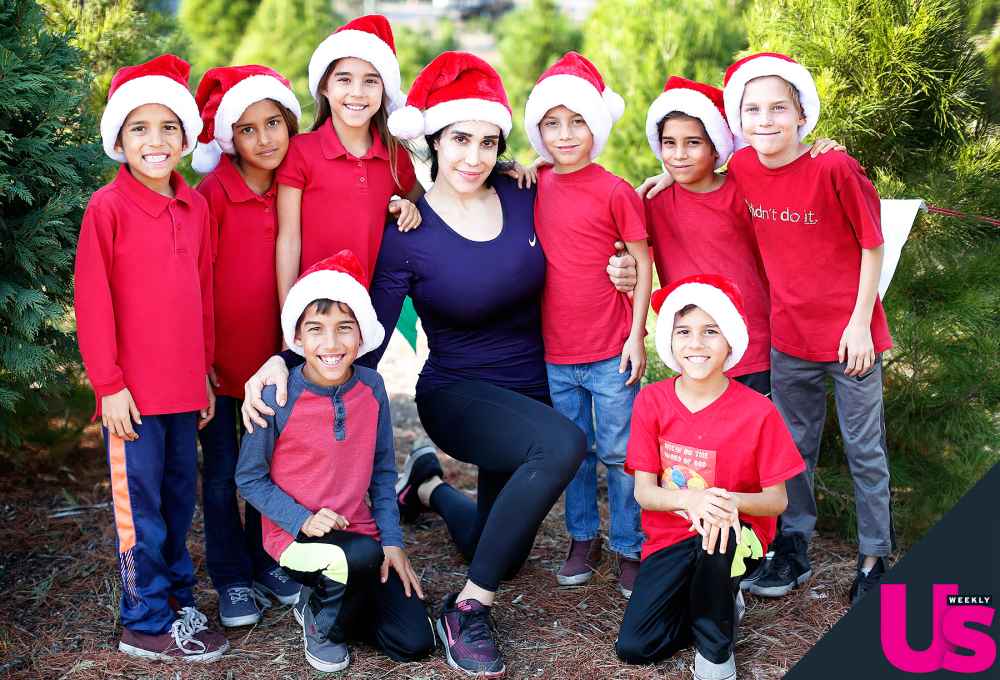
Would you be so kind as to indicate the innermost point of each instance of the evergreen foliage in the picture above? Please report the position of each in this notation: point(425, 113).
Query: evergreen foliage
point(638, 44)
point(49, 165)
point(416, 49)
point(530, 39)
point(215, 29)
point(283, 35)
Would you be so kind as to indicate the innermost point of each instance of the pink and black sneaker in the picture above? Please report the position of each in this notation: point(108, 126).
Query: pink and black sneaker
point(420, 465)
point(466, 630)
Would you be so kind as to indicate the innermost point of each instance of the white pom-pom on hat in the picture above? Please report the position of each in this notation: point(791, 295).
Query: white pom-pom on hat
point(406, 123)
point(616, 105)
point(205, 157)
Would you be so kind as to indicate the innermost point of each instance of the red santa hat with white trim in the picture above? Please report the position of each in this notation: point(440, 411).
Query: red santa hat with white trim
point(769, 64)
point(574, 82)
point(369, 38)
point(697, 100)
point(340, 278)
point(161, 80)
point(455, 86)
point(718, 297)
point(223, 95)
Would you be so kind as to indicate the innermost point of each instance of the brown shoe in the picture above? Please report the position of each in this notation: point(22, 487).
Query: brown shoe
point(583, 559)
point(189, 639)
point(628, 569)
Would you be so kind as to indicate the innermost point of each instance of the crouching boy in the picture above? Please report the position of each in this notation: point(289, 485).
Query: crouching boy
point(710, 458)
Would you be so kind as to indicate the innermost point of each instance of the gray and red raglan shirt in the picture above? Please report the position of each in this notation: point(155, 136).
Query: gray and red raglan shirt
point(327, 447)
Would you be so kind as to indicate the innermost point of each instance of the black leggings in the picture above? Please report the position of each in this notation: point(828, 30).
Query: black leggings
point(526, 453)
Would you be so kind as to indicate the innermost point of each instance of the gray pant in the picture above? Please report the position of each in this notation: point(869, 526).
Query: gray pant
point(799, 392)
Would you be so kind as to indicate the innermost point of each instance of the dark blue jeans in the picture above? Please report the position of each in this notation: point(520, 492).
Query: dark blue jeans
point(234, 552)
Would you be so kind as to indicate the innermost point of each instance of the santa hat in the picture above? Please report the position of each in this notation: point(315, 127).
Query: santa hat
point(769, 64)
point(369, 38)
point(340, 278)
point(718, 297)
point(455, 86)
point(163, 80)
point(573, 82)
point(223, 95)
point(697, 100)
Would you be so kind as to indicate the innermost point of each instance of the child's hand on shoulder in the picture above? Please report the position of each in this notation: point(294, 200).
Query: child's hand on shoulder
point(651, 186)
point(526, 176)
point(118, 410)
point(823, 145)
point(407, 215)
point(634, 355)
point(856, 351)
point(322, 522)
point(397, 559)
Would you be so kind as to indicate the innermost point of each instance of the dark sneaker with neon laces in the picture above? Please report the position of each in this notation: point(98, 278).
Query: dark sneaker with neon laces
point(420, 465)
point(788, 568)
point(584, 557)
point(628, 570)
point(278, 585)
point(466, 630)
point(866, 582)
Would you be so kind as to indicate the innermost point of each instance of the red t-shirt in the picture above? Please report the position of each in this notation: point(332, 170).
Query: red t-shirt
point(578, 218)
point(710, 233)
point(143, 294)
point(738, 442)
point(247, 314)
point(812, 217)
point(345, 199)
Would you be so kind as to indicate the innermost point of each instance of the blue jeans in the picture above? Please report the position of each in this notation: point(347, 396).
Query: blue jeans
point(595, 397)
point(234, 553)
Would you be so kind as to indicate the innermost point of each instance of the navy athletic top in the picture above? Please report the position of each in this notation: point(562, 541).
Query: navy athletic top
point(479, 301)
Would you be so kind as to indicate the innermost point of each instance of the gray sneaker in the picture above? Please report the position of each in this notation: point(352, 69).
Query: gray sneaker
point(238, 607)
point(706, 670)
point(321, 653)
point(304, 594)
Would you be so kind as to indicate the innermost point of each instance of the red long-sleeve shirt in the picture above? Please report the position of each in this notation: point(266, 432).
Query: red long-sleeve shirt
point(143, 294)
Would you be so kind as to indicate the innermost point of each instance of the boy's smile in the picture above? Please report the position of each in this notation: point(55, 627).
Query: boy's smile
point(698, 345)
point(688, 154)
point(152, 139)
point(329, 343)
point(567, 137)
point(770, 120)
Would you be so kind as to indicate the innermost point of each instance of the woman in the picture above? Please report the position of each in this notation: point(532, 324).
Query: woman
point(475, 272)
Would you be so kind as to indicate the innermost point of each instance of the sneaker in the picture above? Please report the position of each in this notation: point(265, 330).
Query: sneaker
point(707, 670)
point(466, 630)
point(787, 569)
point(322, 653)
point(304, 594)
point(278, 585)
point(580, 564)
point(751, 577)
point(421, 465)
point(628, 570)
point(189, 639)
point(238, 607)
point(865, 582)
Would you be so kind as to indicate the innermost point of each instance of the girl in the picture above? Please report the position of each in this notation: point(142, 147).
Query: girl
point(348, 159)
point(249, 113)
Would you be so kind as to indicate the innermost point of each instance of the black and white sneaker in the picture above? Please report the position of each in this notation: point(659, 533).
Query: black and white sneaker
point(420, 465)
point(788, 568)
point(865, 582)
point(751, 577)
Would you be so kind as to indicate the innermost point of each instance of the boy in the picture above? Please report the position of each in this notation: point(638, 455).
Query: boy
point(709, 455)
point(310, 472)
point(817, 226)
point(147, 345)
point(592, 333)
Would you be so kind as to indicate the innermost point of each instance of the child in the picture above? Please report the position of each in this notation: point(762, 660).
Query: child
point(817, 226)
point(143, 303)
point(592, 333)
point(709, 455)
point(700, 223)
point(337, 180)
point(326, 452)
point(249, 114)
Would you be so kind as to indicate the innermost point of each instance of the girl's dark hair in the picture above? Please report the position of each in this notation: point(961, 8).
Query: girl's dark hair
point(380, 120)
point(322, 306)
point(291, 122)
point(502, 164)
point(679, 115)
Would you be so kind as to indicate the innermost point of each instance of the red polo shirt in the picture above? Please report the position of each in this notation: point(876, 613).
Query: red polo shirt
point(247, 315)
point(345, 199)
point(143, 294)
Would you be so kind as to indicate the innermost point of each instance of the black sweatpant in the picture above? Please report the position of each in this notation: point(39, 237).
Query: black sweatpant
point(759, 382)
point(682, 595)
point(365, 608)
point(526, 453)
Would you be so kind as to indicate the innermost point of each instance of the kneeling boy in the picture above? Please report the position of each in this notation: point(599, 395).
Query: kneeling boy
point(709, 455)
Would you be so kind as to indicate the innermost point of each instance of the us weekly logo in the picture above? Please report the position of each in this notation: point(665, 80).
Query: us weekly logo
point(961, 641)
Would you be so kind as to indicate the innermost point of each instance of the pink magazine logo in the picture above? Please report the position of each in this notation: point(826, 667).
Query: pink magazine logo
point(950, 632)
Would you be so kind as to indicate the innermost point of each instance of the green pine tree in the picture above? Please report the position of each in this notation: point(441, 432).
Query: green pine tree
point(283, 35)
point(638, 44)
point(530, 39)
point(49, 164)
point(215, 29)
point(415, 49)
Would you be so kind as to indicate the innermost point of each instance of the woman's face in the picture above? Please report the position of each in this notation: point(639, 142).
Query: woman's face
point(466, 154)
